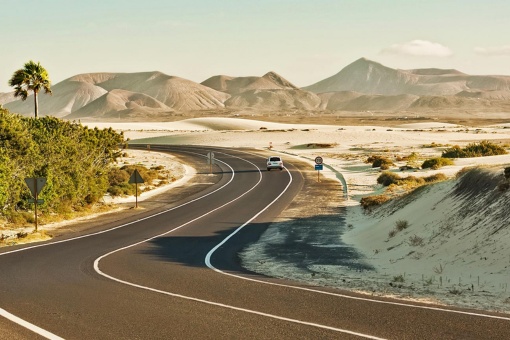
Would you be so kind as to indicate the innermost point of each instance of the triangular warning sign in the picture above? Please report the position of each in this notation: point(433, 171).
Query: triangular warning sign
point(136, 178)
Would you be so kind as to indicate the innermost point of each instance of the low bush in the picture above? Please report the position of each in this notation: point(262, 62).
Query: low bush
point(401, 225)
point(484, 148)
point(435, 178)
point(390, 178)
point(372, 201)
point(387, 178)
point(507, 173)
point(436, 163)
point(416, 241)
point(380, 162)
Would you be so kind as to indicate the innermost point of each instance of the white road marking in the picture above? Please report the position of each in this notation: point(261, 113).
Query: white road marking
point(96, 268)
point(29, 326)
point(41, 331)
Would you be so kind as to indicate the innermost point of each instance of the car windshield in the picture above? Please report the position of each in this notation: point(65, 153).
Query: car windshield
point(274, 159)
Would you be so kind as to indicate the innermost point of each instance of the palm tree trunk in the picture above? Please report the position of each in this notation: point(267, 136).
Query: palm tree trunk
point(36, 104)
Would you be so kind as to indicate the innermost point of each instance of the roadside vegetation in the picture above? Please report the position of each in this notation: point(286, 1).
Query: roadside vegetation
point(398, 186)
point(74, 159)
point(482, 149)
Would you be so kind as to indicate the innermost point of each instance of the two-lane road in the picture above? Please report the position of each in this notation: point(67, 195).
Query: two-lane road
point(175, 274)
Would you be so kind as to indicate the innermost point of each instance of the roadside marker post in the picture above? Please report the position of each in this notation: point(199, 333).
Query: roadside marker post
point(35, 184)
point(210, 160)
point(318, 166)
point(136, 178)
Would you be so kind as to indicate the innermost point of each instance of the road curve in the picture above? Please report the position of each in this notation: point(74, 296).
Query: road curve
point(174, 273)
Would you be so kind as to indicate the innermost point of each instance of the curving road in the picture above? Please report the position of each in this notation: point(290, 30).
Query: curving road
point(173, 272)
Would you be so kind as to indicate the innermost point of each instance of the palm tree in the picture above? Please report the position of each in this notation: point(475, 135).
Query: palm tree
point(33, 77)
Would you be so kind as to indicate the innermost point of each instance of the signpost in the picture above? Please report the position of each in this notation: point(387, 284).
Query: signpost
point(210, 160)
point(136, 178)
point(35, 185)
point(318, 166)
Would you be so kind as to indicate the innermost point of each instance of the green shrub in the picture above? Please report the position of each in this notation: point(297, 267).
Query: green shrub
point(436, 163)
point(484, 148)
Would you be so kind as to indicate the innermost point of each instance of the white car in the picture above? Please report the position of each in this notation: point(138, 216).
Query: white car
point(274, 162)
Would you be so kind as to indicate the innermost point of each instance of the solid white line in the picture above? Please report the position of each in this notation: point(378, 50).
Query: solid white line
point(29, 326)
point(96, 268)
point(41, 331)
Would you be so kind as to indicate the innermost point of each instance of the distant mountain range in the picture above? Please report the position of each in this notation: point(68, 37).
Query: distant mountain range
point(363, 85)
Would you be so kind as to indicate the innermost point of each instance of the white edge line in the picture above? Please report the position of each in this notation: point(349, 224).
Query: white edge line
point(29, 326)
point(41, 331)
point(96, 268)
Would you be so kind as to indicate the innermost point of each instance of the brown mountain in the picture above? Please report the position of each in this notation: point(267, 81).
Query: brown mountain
point(235, 85)
point(363, 85)
point(120, 103)
point(274, 100)
point(370, 77)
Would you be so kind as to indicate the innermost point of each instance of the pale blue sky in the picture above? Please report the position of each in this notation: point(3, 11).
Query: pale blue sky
point(304, 41)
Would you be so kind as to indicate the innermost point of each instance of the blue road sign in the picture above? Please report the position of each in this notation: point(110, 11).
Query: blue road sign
point(318, 166)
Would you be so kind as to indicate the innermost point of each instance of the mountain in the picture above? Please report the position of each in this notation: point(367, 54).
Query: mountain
point(363, 85)
point(120, 103)
point(274, 100)
point(67, 96)
point(269, 92)
point(355, 101)
point(153, 89)
point(369, 77)
point(6, 97)
point(236, 85)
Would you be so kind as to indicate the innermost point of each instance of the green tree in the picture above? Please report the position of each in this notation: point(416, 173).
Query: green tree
point(32, 77)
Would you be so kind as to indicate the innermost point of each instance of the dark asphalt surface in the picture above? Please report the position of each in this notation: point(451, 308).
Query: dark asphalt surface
point(177, 296)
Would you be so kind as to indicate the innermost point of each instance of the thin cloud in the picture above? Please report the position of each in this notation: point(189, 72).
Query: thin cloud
point(493, 51)
point(419, 48)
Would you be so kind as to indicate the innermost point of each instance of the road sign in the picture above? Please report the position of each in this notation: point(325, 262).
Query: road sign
point(318, 167)
point(136, 177)
point(35, 185)
point(39, 201)
point(318, 160)
point(210, 158)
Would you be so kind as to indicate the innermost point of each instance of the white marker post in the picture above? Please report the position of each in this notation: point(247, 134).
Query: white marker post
point(210, 161)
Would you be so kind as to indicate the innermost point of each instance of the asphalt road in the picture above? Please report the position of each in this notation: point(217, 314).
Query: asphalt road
point(173, 272)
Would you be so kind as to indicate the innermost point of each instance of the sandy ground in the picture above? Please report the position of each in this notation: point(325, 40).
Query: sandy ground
point(333, 241)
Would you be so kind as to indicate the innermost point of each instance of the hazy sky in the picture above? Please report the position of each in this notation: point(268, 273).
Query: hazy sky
point(302, 40)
